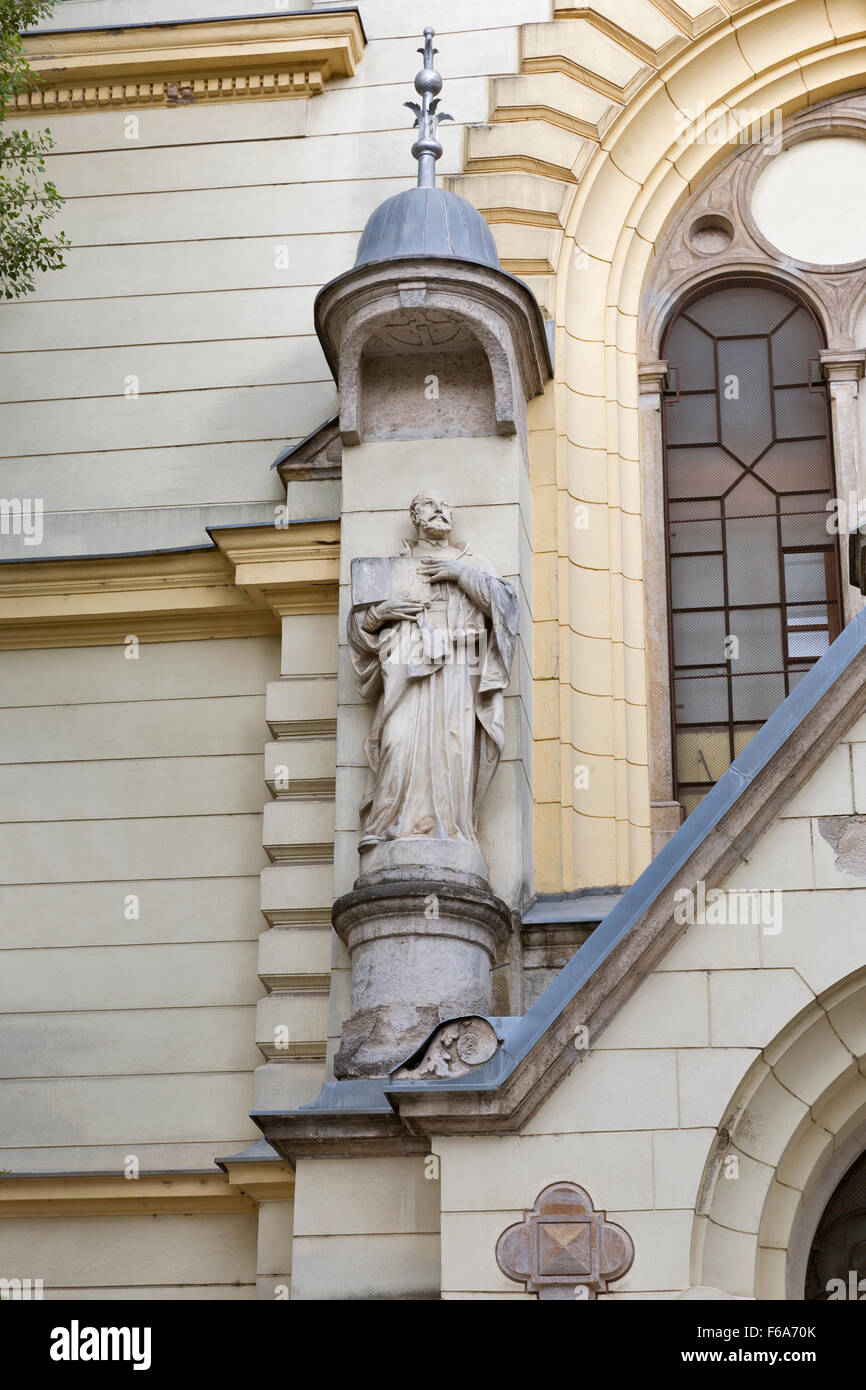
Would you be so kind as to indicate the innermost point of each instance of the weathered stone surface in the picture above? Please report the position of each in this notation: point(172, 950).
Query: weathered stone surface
point(432, 634)
point(564, 1248)
point(393, 861)
point(455, 1048)
point(482, 328)
point(847, 835)
point(422, 952)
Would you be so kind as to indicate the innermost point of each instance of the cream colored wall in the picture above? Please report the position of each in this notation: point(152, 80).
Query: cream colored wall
point(173, 279)
point(297, 886)
point(365, 1228)
point(707, 1043)
point(135, 1257)
point(578, 176)
point(131, 1036)
point(146, 1032)
point(810, 202)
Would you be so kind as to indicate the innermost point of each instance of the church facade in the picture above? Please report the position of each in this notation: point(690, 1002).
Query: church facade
point(434, 656)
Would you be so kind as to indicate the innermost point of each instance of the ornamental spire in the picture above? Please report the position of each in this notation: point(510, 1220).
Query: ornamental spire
point(428, 83)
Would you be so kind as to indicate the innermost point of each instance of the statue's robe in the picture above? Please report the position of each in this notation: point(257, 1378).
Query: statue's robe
point(439, 727)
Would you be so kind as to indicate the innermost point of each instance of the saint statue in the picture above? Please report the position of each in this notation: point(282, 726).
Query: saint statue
point(432, 636)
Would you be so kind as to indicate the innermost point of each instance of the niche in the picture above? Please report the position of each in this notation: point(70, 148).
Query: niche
point(425, 375)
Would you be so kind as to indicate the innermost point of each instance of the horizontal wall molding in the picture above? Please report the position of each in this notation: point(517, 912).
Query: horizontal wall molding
point(292, 55)
point(254, 576)
point(109, 1194)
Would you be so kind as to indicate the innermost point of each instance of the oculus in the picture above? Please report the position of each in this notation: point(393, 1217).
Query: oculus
point(810, 201)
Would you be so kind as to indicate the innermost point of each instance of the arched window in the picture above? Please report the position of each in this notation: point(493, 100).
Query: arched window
point(753, 561)
point(837, 1261)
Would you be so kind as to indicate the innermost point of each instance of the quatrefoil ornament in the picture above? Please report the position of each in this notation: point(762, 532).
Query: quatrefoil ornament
point(564, 1248)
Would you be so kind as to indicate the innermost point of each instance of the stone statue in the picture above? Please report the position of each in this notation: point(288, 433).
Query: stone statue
point(432, 636)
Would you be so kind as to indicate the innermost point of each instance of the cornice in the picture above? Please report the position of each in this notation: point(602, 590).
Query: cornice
point(240, 1188)
point(99, 1194)
point(252, 577)
point(290, 570)
point(290, 55)
point(843, 364)
point(260, 1181)
point(319, 456)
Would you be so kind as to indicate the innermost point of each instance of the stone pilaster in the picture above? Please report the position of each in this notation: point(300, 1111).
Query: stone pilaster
point(665, 813)
point(843, 370)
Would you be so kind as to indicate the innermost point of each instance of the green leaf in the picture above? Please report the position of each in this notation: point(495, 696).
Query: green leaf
point(26, 201)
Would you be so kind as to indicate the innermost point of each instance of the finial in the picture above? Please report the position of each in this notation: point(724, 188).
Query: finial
point(428, 83)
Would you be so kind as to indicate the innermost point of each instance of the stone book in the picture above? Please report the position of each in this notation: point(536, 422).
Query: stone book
point(379, 577)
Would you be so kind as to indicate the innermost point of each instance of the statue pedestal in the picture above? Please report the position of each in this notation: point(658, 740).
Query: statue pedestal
point(423, 858)
point(422, 950)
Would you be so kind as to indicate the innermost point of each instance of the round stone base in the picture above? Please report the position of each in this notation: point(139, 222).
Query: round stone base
point(421, 857)
point(422, 951)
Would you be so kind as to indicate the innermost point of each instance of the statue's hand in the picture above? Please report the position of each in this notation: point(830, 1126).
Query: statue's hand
point(437, 571)
point(392, 610)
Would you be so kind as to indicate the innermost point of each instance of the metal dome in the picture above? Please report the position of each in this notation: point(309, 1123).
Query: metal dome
point(427, 222)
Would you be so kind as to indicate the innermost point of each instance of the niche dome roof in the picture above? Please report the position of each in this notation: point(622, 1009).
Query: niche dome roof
point(427, 222)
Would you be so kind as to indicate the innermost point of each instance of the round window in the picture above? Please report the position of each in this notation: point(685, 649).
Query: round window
point(810, 201)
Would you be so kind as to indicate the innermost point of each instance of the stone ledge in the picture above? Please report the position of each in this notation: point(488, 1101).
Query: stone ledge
point(238, 588)
point(152, 1194)
point(182, 64)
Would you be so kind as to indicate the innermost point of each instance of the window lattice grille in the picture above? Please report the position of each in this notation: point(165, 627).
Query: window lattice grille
point(753, 561)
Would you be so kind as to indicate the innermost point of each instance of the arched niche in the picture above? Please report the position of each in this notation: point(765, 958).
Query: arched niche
point(427, 348)
point(425, 375)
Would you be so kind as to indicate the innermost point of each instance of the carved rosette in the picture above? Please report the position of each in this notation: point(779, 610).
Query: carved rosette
point(564, 1248)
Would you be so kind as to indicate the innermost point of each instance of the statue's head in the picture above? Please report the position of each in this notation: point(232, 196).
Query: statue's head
point(431, 515)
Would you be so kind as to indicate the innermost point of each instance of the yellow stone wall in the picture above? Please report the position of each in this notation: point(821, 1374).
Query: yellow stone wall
point(579, 174)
